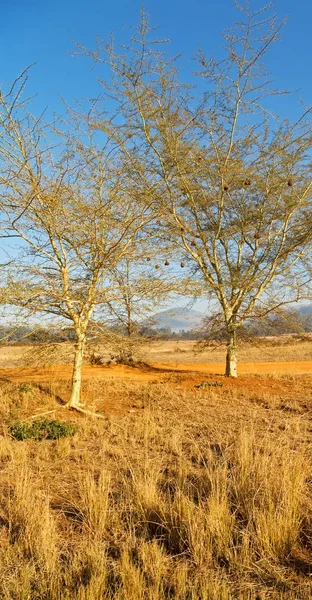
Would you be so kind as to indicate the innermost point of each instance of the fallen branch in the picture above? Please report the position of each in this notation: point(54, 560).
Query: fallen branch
point(41, 414)
point(85, 411)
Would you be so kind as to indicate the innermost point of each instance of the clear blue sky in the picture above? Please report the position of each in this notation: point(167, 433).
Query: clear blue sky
point(43, 32)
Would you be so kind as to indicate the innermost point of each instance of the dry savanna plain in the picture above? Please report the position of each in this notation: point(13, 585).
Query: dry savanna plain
point(191, 486)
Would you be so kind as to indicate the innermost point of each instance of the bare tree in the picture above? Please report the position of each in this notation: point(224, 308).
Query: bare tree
point(233, 179)
point(77, 215)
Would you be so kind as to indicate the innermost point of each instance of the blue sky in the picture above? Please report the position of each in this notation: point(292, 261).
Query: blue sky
point(43, 32)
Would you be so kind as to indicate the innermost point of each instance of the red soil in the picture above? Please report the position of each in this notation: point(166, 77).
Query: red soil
point(252, 384)
point(154, 371)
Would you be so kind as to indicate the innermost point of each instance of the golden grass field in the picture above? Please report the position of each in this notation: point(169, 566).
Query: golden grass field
point(177, 493)
point(283, 348)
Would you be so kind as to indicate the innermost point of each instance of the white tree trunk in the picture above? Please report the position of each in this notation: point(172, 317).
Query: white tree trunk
point(231, 355)
point(74, 400)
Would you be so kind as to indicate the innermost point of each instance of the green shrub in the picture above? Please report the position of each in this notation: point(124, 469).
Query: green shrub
point(205, 384)
point(26, 388)
point(44, 429)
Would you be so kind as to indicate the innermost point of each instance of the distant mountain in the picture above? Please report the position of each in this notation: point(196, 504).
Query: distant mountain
point(177, 319)
point(305, 310)
point(305, 314)
point(180, 318)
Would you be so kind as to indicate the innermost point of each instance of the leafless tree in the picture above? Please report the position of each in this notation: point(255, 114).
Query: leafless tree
point(232, 178)
point(76, 213)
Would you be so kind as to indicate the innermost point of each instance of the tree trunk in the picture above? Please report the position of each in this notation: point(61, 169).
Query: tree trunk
point(231, 355)
point(129, 329)
point(129, 320)
point(74, 400)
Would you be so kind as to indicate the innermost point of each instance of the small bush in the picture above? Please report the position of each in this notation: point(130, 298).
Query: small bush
point(206, 384)
point(44, 429)
point(26, 388)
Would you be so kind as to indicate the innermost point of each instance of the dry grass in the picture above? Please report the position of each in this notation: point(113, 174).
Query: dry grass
point(193, 495)
point(272, 349)
point(282, 348)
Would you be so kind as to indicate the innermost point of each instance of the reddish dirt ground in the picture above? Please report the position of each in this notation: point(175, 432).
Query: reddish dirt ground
point(154, 371)
point(257, 368)
point(260, 383)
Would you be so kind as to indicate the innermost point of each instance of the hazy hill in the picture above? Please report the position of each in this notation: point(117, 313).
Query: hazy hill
point(176, 319)
point(305, 310)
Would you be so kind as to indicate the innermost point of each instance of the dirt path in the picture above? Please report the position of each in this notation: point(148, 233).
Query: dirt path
point(153, 372)
point(288, 367)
